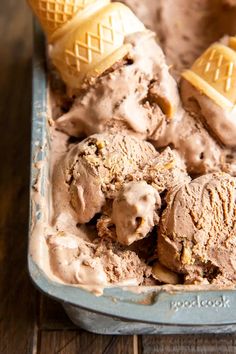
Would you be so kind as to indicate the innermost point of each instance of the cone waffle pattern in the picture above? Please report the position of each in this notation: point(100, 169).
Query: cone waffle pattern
point(217, 68)
point(95, 41)
point(109, 32)
point(55, 13)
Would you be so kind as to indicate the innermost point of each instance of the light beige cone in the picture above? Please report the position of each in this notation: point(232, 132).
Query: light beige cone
point(95, 44)
point(89, 38)
point(53, 14)
point(214, 74)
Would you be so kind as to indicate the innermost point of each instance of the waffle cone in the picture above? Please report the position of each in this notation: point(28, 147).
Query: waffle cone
point(53, 14)
point(94, 44)
point(214, 74)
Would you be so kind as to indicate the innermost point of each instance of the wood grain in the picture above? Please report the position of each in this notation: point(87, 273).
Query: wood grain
point(52, 317)
point(17, 305)
point(29, 322)
point(57, 332)
point(71, 342)
point(189, 344)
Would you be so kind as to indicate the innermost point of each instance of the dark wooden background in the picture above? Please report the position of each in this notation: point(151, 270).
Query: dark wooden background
point(29, 322)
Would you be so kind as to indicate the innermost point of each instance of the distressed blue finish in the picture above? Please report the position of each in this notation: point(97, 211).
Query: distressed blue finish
point(119, 311)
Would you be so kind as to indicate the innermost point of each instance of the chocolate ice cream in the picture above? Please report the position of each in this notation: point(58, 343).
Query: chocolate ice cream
point(112, 183)
point(95, 170)
point(137, 94)
point(125, 208)
point(208, 94)
point(135, 211)
point(197, 230)
point(92, 265)
point(221, 122)
point(200, 151)
point(186, 28)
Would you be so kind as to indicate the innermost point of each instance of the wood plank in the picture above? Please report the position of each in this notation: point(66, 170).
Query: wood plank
point(17, 326)
point(89, 343)
point(62, 342)
point(189, 344)
point(52, 315)
point(81, 342)
point(53, 319)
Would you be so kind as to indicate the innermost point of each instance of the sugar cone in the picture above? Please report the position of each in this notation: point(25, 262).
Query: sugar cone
point(94, 44)
point(53, 14)
point(87, 36)
point(214, 74)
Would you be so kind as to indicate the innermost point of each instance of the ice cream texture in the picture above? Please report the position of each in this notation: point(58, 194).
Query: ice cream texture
point(135, 211)
point(148, 197)
point(197, 232)
point(92, 264)
point(115, 167)
point(138, 95)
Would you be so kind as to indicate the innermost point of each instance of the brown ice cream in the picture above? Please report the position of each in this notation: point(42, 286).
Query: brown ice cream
point(221, 122)
point(76, 261)
point(135, 211)
point(114, 183)
point(200, 151)
point(208, 94)
point(186, 28)
point(137, 94)
point(197, 232)
point(95, 170)
point(131, 178)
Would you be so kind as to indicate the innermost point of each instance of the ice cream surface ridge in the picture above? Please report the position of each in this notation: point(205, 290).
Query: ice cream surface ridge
point(197, 233)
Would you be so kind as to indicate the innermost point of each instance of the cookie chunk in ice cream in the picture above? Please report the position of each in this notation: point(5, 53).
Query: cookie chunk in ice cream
point(198, 228)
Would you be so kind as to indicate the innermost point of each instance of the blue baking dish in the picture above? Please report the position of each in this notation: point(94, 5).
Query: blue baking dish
point(117, 311)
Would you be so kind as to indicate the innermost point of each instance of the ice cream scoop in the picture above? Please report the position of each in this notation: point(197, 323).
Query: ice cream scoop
point(95, 170)
point(198, 228)
point(92, 174)
point(208, 89)
point(87, 37)
point(135, 211)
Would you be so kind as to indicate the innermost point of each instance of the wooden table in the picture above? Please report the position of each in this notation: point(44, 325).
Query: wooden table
point(29, 322)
